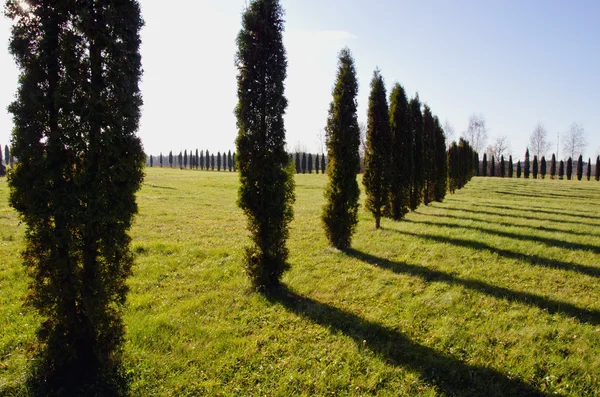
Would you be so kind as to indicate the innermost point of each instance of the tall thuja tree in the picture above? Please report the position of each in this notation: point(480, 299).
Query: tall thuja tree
point(589, 169)
point(418, 180)
point(429, 170)
point(340, 213)
point(518, 168)
point(569, 168)
point(6, 155)
point(180, 158)
point(171, 159)
point(207, 159)
point(309, 165)
point(543, 167)
point(218, 161)
point(151, 161)
point(441, 162)
point(510, 166)
point(597, 175)
point(401, 153)
point(502, 167)
point(561, 170)
point(317, 163)
point(527, 165)
point(212, 162)
point(76, 115)
point(377, 153)
point(202, 159)
point(453, 169)
point(185, 159)
point(535, 167)
point(266, 193)
point(229, 161)
point(493, 167)
point(160, 159)
point(580, 168)
point(298, 164)
point(197, 159)
point(484, 165)
point(323, 164)
point(304, 162)
point(553, 167)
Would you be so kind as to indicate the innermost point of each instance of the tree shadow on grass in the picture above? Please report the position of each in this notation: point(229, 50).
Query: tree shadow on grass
point(550, 242)
point(550, 305)
point(537, 210)
point(547, 195)
point(450, 376)
point(531, 259)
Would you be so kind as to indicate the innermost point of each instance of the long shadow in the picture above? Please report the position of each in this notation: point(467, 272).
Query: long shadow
point(449, 375)
point(531, 259)
point(429, 275)
point(552, 209)
point(536, 210)
point(536, 239)
point(546, 195)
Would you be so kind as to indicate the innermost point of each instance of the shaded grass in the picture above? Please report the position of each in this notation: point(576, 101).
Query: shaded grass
point(488, 293)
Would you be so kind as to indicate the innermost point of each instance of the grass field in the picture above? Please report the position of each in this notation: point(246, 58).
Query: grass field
point(494, 292)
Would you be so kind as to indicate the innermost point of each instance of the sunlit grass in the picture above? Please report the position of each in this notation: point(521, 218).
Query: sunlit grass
point(495, 291)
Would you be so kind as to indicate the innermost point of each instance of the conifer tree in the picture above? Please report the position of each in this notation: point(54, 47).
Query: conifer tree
point(518, 168)
point(527, 165)
point(317, 163)
point(208, 158)
point(543, 167)
point(561, 170)
point(377, 153)
point(569, 168)
point(202, 160)
point(580, 168)
point(233, 161)
point(229, 161)
point(212, 162)
point(197, 159)
point(160, 159)
point(428, 156)
point(535, 167)
point(6, 155)
point(323, 163)
point(453, 171)
point(502, 166)
point(510, 166)
point(171, 159)
point(180, 160)
point(310, 163)
point(597, 168)
point(441, 160)
point(303, 162)
point(151, 161)
point(416, 193)
point(484, 165)
point(493, 167)
point(340, 213)
point(553, 167)
point(218, 161)
point(589, 169)
point(298, 164)
point(266, 193)
point(76, 114)
point(401, 156)
point(185, 159)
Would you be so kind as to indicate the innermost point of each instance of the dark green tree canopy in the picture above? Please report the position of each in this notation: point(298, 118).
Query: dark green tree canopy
point(418, 181)
point(401, 169)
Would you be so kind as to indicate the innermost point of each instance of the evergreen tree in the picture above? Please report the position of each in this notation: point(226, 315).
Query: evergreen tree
point(6, 155)
point(527, 164)
point(212, 162)
point(484, 165)
point(441, 167)
point(569, 168)
point(323, 164)
point(377, 153)
point(298, 164)
point(76, 114)
point(185, 159)
point(266, 193)
point(589, 169)
point(340, 213)
point(171, 159)
point(161, 159)
point(401, 156)
point(180, 160)
point(428, 156)
point(303, 162)
point(597, 168)
point(580, 168)
point(202, 160)
point(151, 161)
point(493, 167)
point(229, 161)
point(197, 159)
point(518, 168)
point(561, 170)
point(510, 166)
point(218, 161)
point(453, 169)
point(535, 167)
point(317, 163)
point(502, 167)
point(416, 192)
point(233, 161)
point(310, 163)
point(553, 167)
point(543, 167)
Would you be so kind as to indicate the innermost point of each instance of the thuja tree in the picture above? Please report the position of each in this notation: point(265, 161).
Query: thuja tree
point(535, 167)
point(340, 213)
point(510, 166)
point(553, 167)
point(527, 169)
point(441, 162)
point(543, 167)
point(518, 168)
point(580, 168)
point(377, 153)
point(76, 114)
point(597, 168)
point(493, 167)
point(401, 153)
point(589, 169)
point(171, 159)
point(429, 170)
point(484, 165)
point(266, 193)
point(453, 170)
point(202, 159)
point(317, 163)
point(569, 168)
point(212, 162)
point(304, 162)
point(309, 164)
point(218, 161)
point(298, 164)
point(418, 180)
point(323, 164)
point(6, 155)
point(561, 170)
point(502, 167)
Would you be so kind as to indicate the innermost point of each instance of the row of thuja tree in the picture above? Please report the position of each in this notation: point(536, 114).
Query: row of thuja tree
point(201, 160)
point(539, 169)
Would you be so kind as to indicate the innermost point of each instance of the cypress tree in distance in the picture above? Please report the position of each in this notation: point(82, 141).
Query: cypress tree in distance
point(229, 161)
point(323, 164)
point(493, 167)
point(416, 189)
point(401, 156)
point(597, 168)
point(543, 167)
point(317, 163)
point(304, 162)
point(553, 167)
point(161, 159)
point(76, 114)
point(298, 164)
point(171, 159)
point(561, 170)
point(502, 167)
point(202, 160)
point(484, 165)
point(266, 193)
point(309, 164)
point(510, 166)
point(580, 168)
point(429, 171)
point(569, 168)
point(218, 161)
point(185, 159)
point(527, 165)
point(518, 168)
point(589, 169)
point(197, 159)
point(6, 155)
point(212, 162)
point(340, 213)
point(535, 167)
point(377, 153)
point(441, 177)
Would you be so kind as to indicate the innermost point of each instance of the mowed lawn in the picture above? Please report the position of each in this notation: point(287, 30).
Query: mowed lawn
point(494, 292)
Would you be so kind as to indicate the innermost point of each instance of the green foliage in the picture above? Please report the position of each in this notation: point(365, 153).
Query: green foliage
point(502, 167)
point(6, 155)
point(401, 153)
point(461, 164)
point(266, 193)
point(543, 167)
point(429, 152)
point(485, 164)
point(218, 161)
point(553, 167)
point(298, 163)
point(535, 167)
point(202, 159)
point(493, 167)
point(317, 163)
point(580, 168)
point(212, 162)
point(510, 166)
point(561, 170)
point(418, 180)
point(229, 161)
point(527, 169)
point(304, 166)
point(161, 159)
point(589, 169)
point(377, 153)
point(569, 168)
point(323, 163)
point(343, 140)
point(518, 168)
point(309, 165)
point(597, 168)
point(171, 159)
point(76, 115)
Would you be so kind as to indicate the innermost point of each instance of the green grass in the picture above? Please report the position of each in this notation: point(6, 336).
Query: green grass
point(495, 291)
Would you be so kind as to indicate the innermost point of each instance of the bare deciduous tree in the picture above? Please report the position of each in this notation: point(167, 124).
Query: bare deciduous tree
point(476, 133)
point(538, 141)
point(501, 147)
point(574, 141)
point(363, 139)
point(449, 132)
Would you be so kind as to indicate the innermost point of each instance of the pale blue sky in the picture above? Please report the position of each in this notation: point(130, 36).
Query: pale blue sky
point(515, 62)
